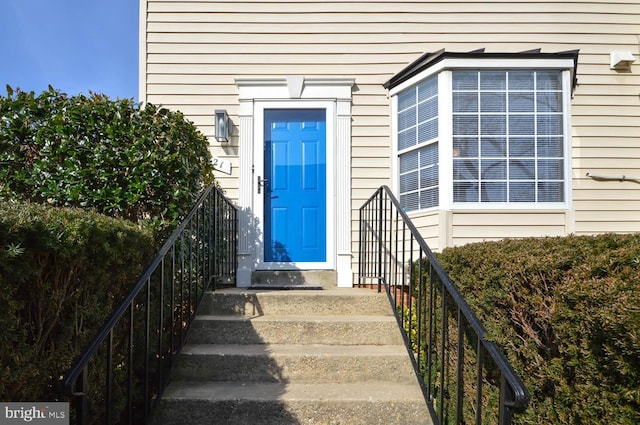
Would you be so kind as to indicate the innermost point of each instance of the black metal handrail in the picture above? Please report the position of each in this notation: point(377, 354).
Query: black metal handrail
point(126, 367)
point(464, 375)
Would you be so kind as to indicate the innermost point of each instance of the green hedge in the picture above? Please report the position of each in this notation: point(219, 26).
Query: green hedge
point(566, 312)
point(143, 163)
point(62, 272)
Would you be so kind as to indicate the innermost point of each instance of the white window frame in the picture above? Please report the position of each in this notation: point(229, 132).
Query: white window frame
point(445, 128)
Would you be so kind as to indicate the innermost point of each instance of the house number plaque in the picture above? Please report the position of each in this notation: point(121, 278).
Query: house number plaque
point(222, 165)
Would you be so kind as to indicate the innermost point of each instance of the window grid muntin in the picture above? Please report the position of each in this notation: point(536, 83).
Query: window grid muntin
point(467, 87)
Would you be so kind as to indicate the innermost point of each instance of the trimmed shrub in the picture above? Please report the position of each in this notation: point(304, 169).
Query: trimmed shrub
point(115, 157)
point(566, 312)
point(62, 272)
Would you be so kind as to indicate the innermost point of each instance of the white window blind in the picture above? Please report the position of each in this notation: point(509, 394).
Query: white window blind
point(507, 136)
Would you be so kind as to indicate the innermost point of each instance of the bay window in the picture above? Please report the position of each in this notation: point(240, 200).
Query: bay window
point(483, 132)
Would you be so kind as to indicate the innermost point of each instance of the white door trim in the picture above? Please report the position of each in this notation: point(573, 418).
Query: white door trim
point(296, 92)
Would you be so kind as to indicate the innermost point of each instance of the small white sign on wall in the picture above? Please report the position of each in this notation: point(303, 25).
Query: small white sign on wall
point(222, 165)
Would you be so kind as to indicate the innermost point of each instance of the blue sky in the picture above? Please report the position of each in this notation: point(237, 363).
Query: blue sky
point(76, 46)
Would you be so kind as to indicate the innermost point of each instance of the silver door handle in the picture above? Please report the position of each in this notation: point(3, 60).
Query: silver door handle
point(262, 183)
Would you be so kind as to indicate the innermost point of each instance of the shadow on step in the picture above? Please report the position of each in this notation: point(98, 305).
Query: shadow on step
point(226, 374)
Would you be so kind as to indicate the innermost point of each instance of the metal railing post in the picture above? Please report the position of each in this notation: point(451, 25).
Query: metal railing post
point(379, 236)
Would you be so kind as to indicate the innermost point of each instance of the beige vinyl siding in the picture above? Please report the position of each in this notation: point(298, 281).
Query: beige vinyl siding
point(195, 49)
point(430, 226)
point(471, 226)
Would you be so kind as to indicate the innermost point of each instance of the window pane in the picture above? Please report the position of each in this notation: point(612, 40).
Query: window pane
point(428, 131)
point(550, 169)
point(429, 155)
point(494, 124)
point(550, 147)
point(520, 80)
point(492, 102)
point(494, 169)
point(428, 88)
point(465, 192)
point(465, 80)
point(465, 102)
point(494, 146)
point(521, 102)
point(410, 201)
point(521, 169)
point(549, 101)
point(522, 147)
point(409, 161)
point(493, 80)
point(465, 124)
point(429, 198)
point(406, 99)
point(407, 118)
point(549, 80)
point(429, 177)
point(465, 169)
point(521, 125)
point(409, 182)
point(407, 138)
point(428, 110)
point(550, 192)
point(522, 192)
point(549, 124)
point(465, 147)
point(494, 192)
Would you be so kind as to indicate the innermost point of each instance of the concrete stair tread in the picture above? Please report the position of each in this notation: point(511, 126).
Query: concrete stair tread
point(350, 292)
point(291, 278)
point(294, 363)
point(343, 301)
point(293, 349)
point(287, 287)
point(294, 318)
point(295, 329)
point(369, 390)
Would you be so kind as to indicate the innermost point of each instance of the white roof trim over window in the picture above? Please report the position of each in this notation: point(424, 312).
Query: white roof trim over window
point(431, 63)
point(448, 64)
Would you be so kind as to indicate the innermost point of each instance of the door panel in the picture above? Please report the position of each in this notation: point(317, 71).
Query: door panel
point(295, 217)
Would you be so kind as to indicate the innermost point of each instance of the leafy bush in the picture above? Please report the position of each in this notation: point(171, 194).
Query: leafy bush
point(140, 163)
point(62, 272)
point(566, 312)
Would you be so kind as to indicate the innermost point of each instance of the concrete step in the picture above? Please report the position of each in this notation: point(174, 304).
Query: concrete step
point(252, 302)
point(231, 403)
point(294, 363)
point(291, 329)
point(287, 279)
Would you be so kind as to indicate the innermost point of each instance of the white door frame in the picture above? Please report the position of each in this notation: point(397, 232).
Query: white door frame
point(258, 94)
point(259, 172)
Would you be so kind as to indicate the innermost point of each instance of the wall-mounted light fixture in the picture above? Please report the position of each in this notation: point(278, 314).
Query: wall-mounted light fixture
point(621, 60)
point(223, 125)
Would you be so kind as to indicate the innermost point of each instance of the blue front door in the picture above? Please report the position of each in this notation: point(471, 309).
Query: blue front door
point(295, 193)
